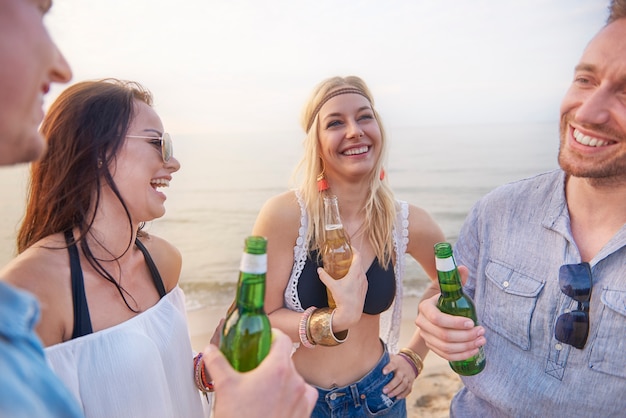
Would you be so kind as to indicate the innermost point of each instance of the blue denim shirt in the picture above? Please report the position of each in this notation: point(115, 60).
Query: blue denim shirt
point(28, 387)
point(513, 242)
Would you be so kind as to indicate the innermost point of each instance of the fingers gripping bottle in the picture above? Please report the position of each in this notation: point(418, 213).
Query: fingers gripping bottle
point(454, 302)
point(247, 334)
point(336, 250)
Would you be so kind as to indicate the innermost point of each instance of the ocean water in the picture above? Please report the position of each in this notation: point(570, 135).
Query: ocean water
point(225, 179)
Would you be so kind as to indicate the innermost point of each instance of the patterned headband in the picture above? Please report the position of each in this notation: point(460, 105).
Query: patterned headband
point(345, 90)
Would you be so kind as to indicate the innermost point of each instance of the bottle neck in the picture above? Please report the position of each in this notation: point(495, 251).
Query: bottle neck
point(251, 291)
point(251, 287)
point(253, 263)
point(332, 220)
point(449, 279)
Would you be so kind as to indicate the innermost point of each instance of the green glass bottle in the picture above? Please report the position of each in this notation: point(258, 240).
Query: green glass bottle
point(454, 302)
point(247, 334)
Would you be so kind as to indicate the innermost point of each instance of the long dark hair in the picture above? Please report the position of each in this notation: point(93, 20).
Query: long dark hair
point(84, 129)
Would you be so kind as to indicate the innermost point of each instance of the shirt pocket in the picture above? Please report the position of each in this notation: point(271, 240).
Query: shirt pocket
point(608, 352)
point(510, 300)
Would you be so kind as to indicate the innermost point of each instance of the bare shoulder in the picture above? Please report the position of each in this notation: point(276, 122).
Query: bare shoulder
point(424, 233)
point(44, 270)
point(280, 211)
point(422, 223)
point(167, 258)
point(279, 222)
point(40, 268)
point(284, 204)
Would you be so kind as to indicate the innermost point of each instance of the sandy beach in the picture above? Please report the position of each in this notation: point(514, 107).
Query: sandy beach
point(432, 391)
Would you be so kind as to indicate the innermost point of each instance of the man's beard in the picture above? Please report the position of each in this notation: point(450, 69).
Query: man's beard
point(611, 169)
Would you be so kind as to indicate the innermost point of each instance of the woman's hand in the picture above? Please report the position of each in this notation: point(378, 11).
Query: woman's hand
point(403, 377)
point(349, 294)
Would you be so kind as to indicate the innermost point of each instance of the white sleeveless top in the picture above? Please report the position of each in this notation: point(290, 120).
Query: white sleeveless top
point(142, 367)
point(390, 319)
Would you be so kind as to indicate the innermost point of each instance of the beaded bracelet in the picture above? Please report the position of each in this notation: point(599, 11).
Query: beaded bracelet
point(303, 329)
point(414, 358)
point(200, 375)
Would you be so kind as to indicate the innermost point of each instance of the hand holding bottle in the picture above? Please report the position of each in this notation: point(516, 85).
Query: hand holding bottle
point(454, 301)
point(336, 251)
point(450, 337)
point(349, 293)
point(273, 389)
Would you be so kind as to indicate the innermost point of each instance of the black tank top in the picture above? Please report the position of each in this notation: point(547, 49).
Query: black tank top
point(381, 288)
point(82, 320)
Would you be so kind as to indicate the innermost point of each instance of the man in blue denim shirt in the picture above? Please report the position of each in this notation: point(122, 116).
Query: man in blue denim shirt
point(31, 62)
point(554, 337)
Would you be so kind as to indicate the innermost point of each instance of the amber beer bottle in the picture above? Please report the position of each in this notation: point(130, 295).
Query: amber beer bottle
point(454, 302)
point(247, 334)
point(336, 250)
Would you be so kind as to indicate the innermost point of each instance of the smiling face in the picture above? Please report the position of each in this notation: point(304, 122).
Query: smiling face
point(30, 63)
point(139, 169)
point(350, 139)
point(593, 111)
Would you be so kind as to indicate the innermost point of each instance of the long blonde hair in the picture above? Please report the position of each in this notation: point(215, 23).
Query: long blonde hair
point(380, 207)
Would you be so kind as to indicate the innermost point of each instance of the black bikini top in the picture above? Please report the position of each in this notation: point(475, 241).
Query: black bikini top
point(381, 288)
point(82, 320)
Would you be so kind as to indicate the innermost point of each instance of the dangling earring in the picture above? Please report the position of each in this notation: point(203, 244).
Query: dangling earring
point(382, 174)
point(322, 183)
point(99, 163)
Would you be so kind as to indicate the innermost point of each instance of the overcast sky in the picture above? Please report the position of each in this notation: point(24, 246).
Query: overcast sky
point(249, 65)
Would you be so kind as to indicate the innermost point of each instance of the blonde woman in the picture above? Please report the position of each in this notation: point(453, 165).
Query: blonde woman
point(349, 354)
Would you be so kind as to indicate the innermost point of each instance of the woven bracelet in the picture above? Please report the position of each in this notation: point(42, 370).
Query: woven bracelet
point(200, 375)
point(303, 331)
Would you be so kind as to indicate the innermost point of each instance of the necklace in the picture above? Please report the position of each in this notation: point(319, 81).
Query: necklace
point(358, 233)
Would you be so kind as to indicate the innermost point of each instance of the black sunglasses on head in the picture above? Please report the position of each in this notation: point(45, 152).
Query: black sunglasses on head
point(572, 327)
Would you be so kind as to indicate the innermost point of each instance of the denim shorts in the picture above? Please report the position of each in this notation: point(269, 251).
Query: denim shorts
point(364, 398)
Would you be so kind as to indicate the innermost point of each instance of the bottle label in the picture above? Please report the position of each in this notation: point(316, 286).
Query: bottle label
point(445, 264)
point(253, 263)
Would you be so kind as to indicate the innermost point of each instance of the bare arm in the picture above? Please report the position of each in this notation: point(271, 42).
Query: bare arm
point(424, 233)
point(279, 221)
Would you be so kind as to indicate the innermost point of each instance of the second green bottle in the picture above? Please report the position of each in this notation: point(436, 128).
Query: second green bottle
point(454, 302)
point(247, 333)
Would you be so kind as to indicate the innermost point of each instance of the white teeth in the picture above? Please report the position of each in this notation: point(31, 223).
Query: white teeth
point(356, 151)
point(160, 183)
point(588, 140)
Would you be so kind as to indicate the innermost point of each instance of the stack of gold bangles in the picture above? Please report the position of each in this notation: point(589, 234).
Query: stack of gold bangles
point(316, 328)
point(413, 359)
